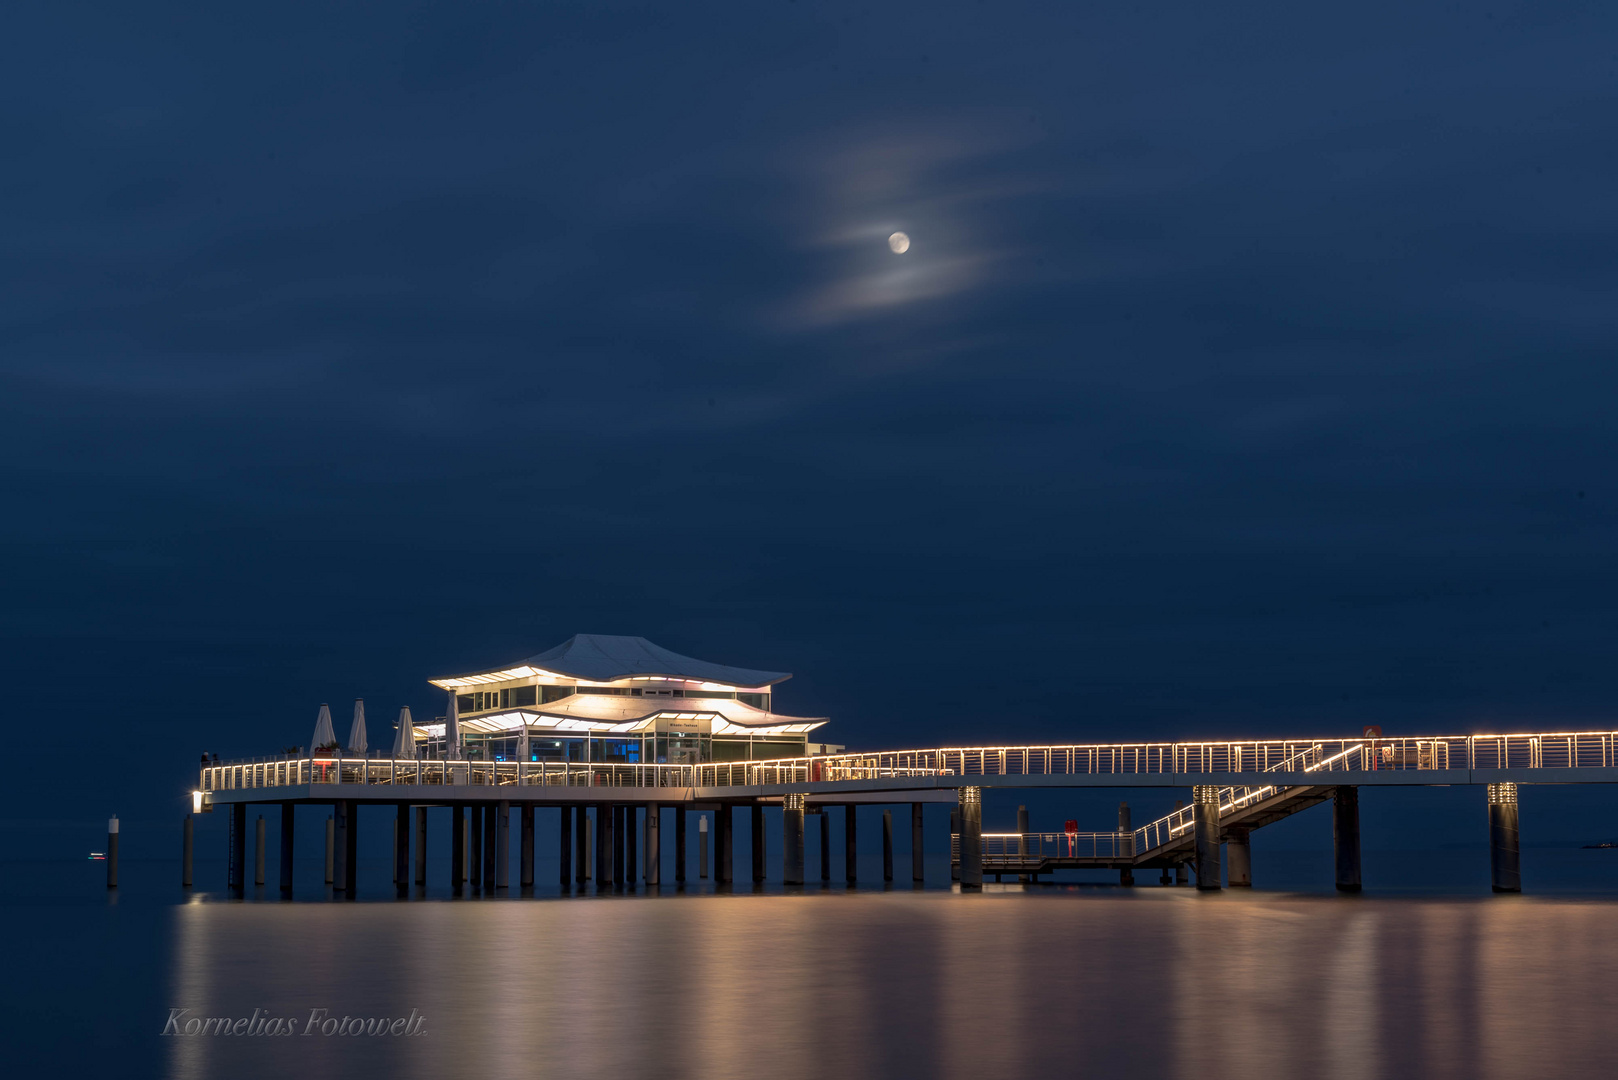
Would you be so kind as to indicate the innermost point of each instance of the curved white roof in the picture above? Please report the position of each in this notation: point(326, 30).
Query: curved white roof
point(609, 657)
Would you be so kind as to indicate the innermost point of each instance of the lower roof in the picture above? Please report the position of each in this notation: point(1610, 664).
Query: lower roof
point(620, 713)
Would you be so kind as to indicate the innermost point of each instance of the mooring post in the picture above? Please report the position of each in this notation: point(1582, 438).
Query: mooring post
point(757, 839)
point(401, 849)
point(502, 844)
point(702, 846)
point(1505, 866)
point(564, 847)
point(1126, 843)
point(971, 816)
point(825, 843)
point(653, 870)
point(631, 831)
point(351, 847)
point(457, 845)
point(525, 846)
point(792, 807)
point(1239, 856)
point(258, 851)
point(1345, 835)
point(186, 841)
point(887, 845)
point(679, 845)
point(725, 828)
point(421, 845)
point(288, 819)
point(1205, 800)
point(112, 851)
point(339, 872)
point(234, 871)
point(581, 843)
point(851, 845)
point(918, 861)
point(1022, 839)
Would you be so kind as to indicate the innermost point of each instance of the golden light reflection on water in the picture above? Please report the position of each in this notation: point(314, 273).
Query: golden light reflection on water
point(910, 984)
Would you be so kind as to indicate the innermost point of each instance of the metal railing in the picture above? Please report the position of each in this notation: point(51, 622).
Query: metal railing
point(1022, 849)
point(1536, 751)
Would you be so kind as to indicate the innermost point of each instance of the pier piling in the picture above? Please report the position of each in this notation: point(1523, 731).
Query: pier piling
point(792, 807)
point(401, 849)
point(331, 848)
point(1205, 804)
point(474, 846)
point(887, 845)
point(1505, 867)
point(631, 832)
point(757, 839)
point(619, 845)
point(851, 845)
point(525, 846)
point(653, 871)
point(1022, 839)
point(603, 851)
point(702, 846)
point(679, 845)
point(351, 844)
point(581, 844)
point(186, 842)
point(112, 852)
point(421, 845)
point(457, 846)
point(288, 833)
point(1239, 858)
point(1126, 837)
point(918, 861)
point(725, 836)
point(971, 837)
point(954, 836)
point(502, 844)
point(237, 852)
point(258, 851)
point(825, 844)
point(1345, 834)
point(564, 847)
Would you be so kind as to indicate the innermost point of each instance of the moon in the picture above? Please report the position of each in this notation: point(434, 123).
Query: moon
point(899, 242)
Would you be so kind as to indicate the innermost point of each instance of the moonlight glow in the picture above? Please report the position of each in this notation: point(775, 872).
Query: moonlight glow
point(899, 242)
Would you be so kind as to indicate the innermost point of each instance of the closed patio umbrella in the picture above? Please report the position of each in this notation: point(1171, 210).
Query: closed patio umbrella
point(323, 736)
point(452, 731)
point(404, 741)
point(522, 744)
point(356, 733)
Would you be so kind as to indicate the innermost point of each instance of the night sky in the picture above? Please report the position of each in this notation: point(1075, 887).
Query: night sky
point(1251, 371)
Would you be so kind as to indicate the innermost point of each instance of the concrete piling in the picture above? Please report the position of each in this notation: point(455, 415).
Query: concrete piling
point(187, 840)
point(631, 832)
point(457, 846)
point(792, 808)
point(757, 839)
point(619, 848)
point(112, 851)
point(825, 844)
point(581, 844)
point(1126, 843)
point(653, 870)
point(679, 845)
point(1345, 834)
point(1022, 839)
point(887, 845)
point(492, 835)
point(970, 810)
point(1505, 866)
point(258, 851)
point(525, 846)
point(603, 852)
point(1239, 858)
point(237, 852)
point(851, 845)
point(725, 837)
point(1205, 806)
point(351, 843)
point(702, 846)
point(564, 847)
point(502, 844)
point(474, 846)
point(288, 832)
point(421, 845)
point(918, 853)
point(401, 849)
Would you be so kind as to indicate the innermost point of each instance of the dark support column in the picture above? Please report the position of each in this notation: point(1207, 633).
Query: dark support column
point(1022, 838)
point(725, 844)
point(1345, 835)
point(564, 847)
point(702, 846)
point(792, 840)
point(851, 845)
point(631, 831)
point(1205, 805)
point(401, 849)
point(654, 845)
point(1179, 867)
point(603, 852)
point(1126, 843)
point(236, 853)
point(581, 843)
point(259, 836)
point(971, 811)
point(492, 835)
point(918, 852)
point(955, 844)
point(619, 829)
point(474, 845)
point(502, 845)
point(187, 840)
point(758, 843)
point(825, 843)
point(525, 846)
point(1505, 865)
point(339, 846)
point(351, 843)
point(112, 850)
point(457, 845)
point(887, 845)
point(1239, 858)
point(287, 832)
point(331, 848)
point(421, 845)
point(679, 845)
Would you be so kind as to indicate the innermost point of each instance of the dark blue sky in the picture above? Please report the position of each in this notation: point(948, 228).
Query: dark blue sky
point(1251, 371)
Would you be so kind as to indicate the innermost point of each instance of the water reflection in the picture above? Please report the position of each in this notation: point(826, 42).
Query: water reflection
point(1162, 982)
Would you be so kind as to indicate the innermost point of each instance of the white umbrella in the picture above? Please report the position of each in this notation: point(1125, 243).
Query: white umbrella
point(404, 742)
point(356, 733)
point(452, 730)
point(522, 744)
point(323, 736)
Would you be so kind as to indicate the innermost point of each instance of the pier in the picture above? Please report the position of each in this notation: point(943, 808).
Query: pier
point(1237, 787)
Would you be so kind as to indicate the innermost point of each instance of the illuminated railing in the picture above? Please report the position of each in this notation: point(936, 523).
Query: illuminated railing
point(1024, 850)
point(1542, 751)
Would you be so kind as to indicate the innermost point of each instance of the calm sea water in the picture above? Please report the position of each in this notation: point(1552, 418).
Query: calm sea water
point(1084, 980)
